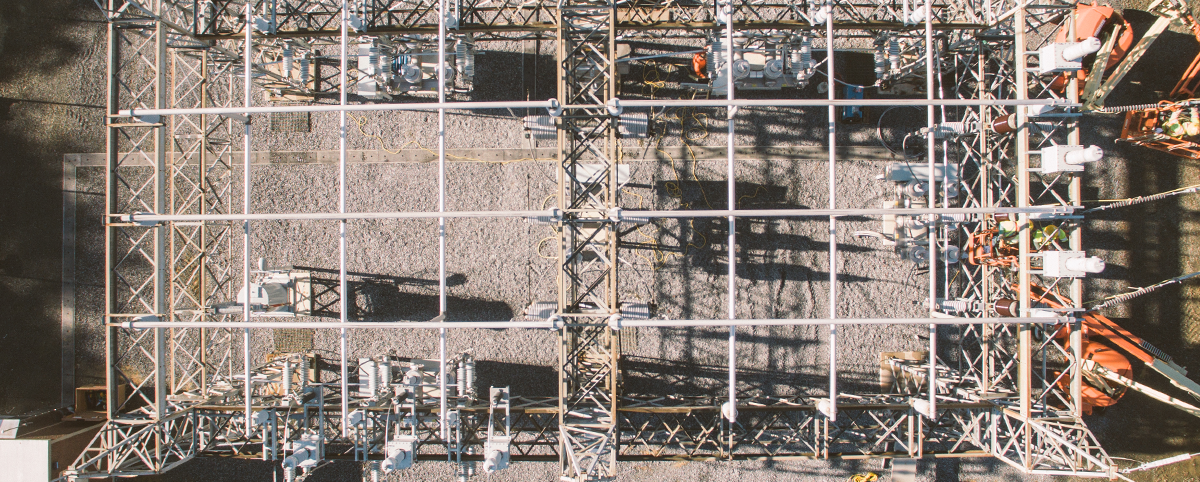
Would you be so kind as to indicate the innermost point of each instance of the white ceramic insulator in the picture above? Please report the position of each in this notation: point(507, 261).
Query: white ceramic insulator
point(1079, 50)
point(950, 255)
point(741, 69)
point(729, 411)
point(917, 15)
point(773, 69)
point(287, 63)
point(1091, 154)
point(1086, 265)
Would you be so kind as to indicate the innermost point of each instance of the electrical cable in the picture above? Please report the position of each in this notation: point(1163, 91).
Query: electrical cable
point(1120, 203)
point(879, 132)
point(539, 248)
point(659, 257)
point(1123, 297)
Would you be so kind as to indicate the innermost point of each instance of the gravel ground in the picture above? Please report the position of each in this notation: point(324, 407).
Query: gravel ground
point(51, 102)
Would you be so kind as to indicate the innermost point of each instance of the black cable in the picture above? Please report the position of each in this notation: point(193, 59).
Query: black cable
point(879, 134)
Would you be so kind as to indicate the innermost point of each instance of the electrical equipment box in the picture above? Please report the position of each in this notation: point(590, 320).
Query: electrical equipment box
point(904, 172)
point(282, 292)
point(38, 447)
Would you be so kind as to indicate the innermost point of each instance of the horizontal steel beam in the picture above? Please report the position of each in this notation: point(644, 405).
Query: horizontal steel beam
point(842, 102)
point(546, 104)
point(546, 325)
point(804, 213)
point(430, 106)
point(618, 215)
point(432, 29)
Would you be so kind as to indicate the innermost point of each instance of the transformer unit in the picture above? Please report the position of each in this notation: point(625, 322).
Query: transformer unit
point(273, 292)
point(408, 65)
point(908, 235)
point(759, 63)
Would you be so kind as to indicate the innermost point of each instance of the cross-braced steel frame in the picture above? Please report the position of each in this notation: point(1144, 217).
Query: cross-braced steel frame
point(181, 75)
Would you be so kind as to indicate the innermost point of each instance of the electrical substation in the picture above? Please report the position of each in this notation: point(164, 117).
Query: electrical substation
point(480, 237)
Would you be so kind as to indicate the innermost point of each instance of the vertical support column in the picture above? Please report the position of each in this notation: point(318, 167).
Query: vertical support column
point(161, 256)
point(588, 298)
point(986, 161)
point(452, 448)
point(930, 409)
point(730, 412)
point(1075, 197)
point(343, 295)
point(205, 188)
point(830, 408)
point(161, 277)
point(112, 146)
point(1025, 335)
point(248, 62)
point(67, 326)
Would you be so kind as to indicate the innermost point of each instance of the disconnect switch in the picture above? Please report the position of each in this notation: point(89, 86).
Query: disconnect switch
point(399, 453)
point(496, 454)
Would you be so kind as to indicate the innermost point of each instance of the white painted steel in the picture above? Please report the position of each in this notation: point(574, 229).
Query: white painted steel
point(343, 307)
point(933, 242)
point(369, 325)
point(441, 77)
point(546, 104)
point(731, 201)
point(696, 213)
point(248, 62)
point(831, 410)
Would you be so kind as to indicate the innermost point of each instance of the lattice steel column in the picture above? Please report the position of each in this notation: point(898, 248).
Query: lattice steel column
point(588, 239)
point(156, 164)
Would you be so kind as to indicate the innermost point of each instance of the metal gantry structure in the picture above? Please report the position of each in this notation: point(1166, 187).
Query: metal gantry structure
point(182, 80)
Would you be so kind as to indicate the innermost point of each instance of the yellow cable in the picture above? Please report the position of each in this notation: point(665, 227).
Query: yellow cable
point(655, 84)
point(695, 167)
point(659, 256)
point(673, 188)
point(750, 196)
point(539, 248)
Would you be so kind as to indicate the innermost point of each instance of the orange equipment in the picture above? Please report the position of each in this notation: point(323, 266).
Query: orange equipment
point(700, 65)
point(988, 248)
point(1109, 372)
point(1089, 21)
point(1188, 85)
point(1142, 127)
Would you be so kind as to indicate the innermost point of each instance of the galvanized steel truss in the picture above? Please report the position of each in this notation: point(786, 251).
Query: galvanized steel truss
point(186, 398)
